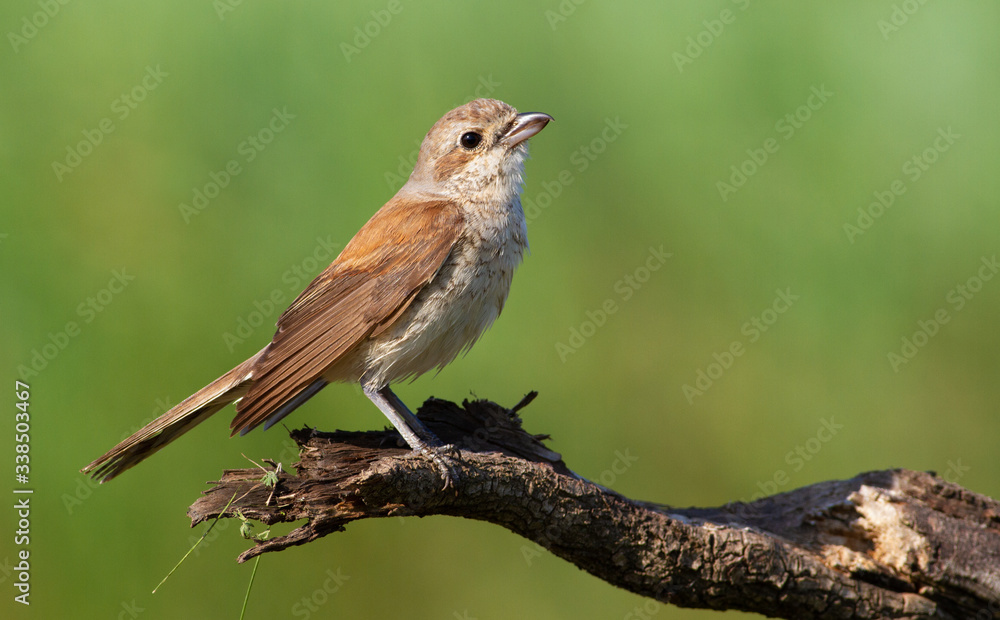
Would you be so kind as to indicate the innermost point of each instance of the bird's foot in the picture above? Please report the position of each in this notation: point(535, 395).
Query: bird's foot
point(443, 456)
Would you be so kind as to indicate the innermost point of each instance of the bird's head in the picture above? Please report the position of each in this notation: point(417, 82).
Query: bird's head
point(476, 152)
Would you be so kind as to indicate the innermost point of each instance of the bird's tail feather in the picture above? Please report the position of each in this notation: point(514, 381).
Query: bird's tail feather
point(180, 419)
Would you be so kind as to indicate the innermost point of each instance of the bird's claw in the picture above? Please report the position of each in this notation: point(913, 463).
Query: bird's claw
point(443, 456)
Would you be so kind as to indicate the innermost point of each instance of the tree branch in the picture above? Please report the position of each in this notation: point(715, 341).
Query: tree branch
point(885, 544)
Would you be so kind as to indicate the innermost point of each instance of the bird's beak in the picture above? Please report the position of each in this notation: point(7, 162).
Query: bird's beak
point(526, 125)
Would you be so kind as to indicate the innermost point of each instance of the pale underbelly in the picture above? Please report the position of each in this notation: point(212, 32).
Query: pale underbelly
point(447, 317)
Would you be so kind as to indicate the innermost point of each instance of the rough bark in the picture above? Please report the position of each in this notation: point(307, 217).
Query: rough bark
point(884, 544)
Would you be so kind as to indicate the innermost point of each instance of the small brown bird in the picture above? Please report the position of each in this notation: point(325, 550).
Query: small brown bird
point(417, 285)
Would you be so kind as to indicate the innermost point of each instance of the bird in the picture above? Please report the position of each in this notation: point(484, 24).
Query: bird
point(416, 286)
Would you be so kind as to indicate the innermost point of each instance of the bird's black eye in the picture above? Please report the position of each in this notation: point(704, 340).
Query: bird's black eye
point(470, 140)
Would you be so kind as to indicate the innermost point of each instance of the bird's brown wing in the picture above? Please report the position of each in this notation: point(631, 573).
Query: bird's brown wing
point(367, 287)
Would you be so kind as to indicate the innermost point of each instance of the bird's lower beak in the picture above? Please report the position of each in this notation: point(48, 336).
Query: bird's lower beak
point(526, 125)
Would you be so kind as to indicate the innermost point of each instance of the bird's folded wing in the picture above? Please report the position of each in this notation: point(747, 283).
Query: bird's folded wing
point(371, 283)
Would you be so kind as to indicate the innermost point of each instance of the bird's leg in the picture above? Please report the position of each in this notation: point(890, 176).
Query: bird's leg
point(418, 436)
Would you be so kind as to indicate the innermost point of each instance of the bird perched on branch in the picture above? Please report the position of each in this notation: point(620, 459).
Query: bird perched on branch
point(417, 285)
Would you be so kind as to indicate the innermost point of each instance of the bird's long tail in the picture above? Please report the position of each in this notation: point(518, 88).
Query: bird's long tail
point(186, 415)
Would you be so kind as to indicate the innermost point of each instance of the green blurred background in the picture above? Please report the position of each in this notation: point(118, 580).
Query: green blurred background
point(654, 105)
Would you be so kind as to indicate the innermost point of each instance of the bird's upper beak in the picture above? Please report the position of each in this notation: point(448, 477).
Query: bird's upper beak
point(526, 125)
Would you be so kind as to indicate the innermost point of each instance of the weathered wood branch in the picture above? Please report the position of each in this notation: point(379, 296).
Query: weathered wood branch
point(885, 544)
